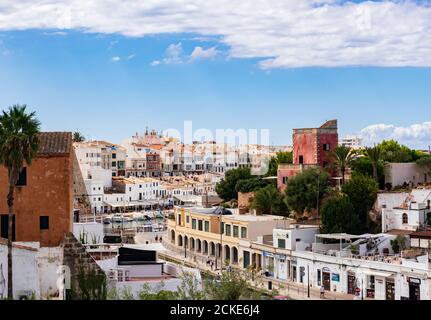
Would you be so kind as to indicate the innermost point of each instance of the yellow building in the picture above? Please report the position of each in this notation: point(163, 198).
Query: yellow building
point(217, 234)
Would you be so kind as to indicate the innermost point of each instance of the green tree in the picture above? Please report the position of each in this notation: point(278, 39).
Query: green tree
point(342, 158)
point(398, 244)
point(226, 188)
point(304, 190)
point(338, 216)
point(92, 284)
point(282, 157)
point(392, 151)
point(78, 137)
point(362, 193)
point(19, 143)
point(268, 200)
point(232, 285)
point(189, 289)
point(374, 154)
point(251, 185)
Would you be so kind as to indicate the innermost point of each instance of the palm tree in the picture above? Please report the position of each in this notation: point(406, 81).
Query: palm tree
point(374, 154)
point(19, 143)
point(78, 137)
point(267, 199)
point(342, 158)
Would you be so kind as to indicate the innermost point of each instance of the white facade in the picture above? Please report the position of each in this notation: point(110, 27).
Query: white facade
point(34, 270)
point(398, 174)
point(353, 142)
point(158, 275)
point(374, 272)
point(410, 214)
point(295, 238)
point(91, 232)
point(101, 154)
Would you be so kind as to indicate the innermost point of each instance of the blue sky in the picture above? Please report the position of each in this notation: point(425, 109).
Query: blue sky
point(110, 85)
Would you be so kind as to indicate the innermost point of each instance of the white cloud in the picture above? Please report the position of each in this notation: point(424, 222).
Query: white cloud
point(173, 55)
point(112, 44)
point(131, 56)
point(55, 33)
point(281, 33)
point(200, 53)
point(415, 135)
point(116, 58)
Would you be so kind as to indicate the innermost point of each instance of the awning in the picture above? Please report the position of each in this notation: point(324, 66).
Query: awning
point(345, 236)
point(377, 273)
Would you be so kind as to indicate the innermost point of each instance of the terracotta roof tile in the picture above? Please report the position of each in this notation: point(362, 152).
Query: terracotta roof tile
point(55, 143)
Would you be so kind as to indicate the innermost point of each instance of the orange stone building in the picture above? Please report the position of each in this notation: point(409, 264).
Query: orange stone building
point(43, 207)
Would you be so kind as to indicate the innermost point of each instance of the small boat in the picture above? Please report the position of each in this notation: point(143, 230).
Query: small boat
point(159, 215)
point(140, 218)
point(117, 218)
point(107, 220)
point(157, 228)
point(128, 219)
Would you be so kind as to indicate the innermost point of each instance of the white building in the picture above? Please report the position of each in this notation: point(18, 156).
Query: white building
point(356, 265)
point(34, 270)
point(138, 265)
point(133, 192)
point(101, 154)
point(409, 174)
point(409, 215)
point(353, 142)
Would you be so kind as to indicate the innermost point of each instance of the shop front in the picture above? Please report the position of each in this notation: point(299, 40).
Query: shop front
point(268, 264)
point(414, 288)
point(351, 282)
point(326, 279)
point(282, 267)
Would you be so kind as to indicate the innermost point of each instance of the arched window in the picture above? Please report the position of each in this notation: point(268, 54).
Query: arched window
point(405, 218)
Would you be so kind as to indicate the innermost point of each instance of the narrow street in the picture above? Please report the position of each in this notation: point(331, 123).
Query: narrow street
point(289, 289)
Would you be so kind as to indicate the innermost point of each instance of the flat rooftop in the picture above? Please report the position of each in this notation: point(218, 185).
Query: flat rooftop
point(252, 218)
point(228, 214)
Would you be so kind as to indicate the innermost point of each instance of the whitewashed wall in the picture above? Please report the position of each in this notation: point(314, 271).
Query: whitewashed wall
point(93, 230)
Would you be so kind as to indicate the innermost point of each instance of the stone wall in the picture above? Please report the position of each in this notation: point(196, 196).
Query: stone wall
point(77, 259)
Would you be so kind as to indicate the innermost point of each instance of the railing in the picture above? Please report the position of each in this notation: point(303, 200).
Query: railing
point(394, 259)
point(92, 218)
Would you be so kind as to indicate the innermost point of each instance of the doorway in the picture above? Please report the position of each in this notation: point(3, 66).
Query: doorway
point(326, 281)
point(351, 283)
point(390, 290)
point(414, 291)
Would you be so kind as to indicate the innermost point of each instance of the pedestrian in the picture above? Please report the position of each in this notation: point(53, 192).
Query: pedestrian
point(322, 292)
point(157, 239)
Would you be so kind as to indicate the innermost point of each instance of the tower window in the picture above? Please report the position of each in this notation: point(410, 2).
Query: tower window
point(44, 222)
point(405, 218)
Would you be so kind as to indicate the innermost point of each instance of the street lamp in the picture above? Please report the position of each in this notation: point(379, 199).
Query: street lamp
point(308, 279)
